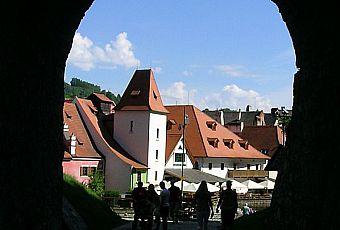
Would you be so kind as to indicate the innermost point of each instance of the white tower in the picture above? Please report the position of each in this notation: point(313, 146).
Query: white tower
point(140, 124)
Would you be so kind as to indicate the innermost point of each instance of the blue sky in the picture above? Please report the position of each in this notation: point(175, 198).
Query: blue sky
point(212, 54)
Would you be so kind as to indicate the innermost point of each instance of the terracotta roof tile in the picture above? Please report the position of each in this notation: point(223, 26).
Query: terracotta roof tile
point(142, 94)
point(197, 133)
point(84, 147)
point(103, 97)
point(85, 106)
point(263, 137)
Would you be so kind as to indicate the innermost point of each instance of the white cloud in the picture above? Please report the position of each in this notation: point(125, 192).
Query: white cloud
point(178, 94)
point(234, 97)
point(233, 70)
point(240, 98)
point(187, 73)
point(157, 69)
point(86, 56)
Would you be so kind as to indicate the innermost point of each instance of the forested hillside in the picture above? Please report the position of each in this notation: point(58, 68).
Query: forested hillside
point(83, 89)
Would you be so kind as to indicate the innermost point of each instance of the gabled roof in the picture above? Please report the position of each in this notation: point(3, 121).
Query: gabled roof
point(84, 147)
point(198, 136)
point(85, 106)
point(142, 94)
point(101, 97)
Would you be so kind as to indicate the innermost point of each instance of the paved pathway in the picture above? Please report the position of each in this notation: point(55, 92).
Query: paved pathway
point(187, 225)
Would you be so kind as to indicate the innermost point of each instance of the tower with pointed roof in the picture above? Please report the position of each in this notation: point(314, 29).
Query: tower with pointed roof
point(140, 123)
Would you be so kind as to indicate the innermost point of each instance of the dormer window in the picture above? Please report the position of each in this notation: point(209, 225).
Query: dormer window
point(213, 142)
point(68, 115)
point(244, 144)
point(170, 123)
point(135, 92)
point(211, 125)
point(229, 143)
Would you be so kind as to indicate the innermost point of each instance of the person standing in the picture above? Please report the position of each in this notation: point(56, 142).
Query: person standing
point(139, 197)
point(175, 201)
point(246, 209)
point(153, 200)
point(164, 206)
point(229, 205)
point(203, 205)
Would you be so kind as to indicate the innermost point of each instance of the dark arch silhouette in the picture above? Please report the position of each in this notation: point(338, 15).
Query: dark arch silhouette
point(35, 39)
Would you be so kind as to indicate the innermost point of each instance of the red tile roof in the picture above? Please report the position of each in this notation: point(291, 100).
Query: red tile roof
point(103, 98)
point(84, 147)
point(198, 134)
point(263, 137)
point(142, 94)
point(85, 105)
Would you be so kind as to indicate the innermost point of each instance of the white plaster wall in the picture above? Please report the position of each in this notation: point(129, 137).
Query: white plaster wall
point(117, 172)
point(135, 142)
point(157, 121)
point(228, 164)
point(171, 162)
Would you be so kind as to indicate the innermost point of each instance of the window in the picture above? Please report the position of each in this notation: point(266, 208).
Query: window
point(131, 126)
point(157, 154)
point(170, 123)
point(83, 171)
point(210, 166)
point(135, 92)
point(264, 151)
point(87, 170)
point(213, 142)
point(139, 176)
point(155, 175)
point(178, 157)
point(244, 144)
point(157, 135)
point(229, 143)
point(154, 95)
point(211, 125)
point(222, 166)
point(196, 165)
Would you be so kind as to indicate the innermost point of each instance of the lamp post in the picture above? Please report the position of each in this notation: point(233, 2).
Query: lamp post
point(185, 122)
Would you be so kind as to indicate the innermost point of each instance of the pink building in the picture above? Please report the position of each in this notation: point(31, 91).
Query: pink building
point(80, 157)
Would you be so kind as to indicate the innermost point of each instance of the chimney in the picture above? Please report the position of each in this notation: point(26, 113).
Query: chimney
point(239, 114)
point(248, 108)
point(66, 129)
point(222, 117)
point(73, 145)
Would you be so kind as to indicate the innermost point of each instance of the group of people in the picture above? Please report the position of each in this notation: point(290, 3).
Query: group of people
point(204, 207)
point(147, 204)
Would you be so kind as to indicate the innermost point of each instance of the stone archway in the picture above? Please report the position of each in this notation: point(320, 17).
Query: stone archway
point(305, 192)
point(35, 40)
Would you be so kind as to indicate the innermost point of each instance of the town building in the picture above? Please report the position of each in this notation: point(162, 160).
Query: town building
point(81, 159)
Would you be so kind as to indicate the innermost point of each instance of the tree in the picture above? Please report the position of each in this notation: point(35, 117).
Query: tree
point(97, 183)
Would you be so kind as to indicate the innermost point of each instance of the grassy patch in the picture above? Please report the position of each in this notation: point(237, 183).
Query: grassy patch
point(256, 221)
point(96, 213)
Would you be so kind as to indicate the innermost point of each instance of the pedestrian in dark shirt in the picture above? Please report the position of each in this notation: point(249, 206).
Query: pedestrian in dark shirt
point(139, 197)
point(164, 206)
point(153, 199)
point(228, 204)
point(175, 201)
point(203, 205)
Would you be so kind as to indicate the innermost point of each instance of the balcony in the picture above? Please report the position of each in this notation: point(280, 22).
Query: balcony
point(247, 174)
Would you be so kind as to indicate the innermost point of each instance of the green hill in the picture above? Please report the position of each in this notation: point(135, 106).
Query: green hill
point(95, 212)
point(83, 89)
